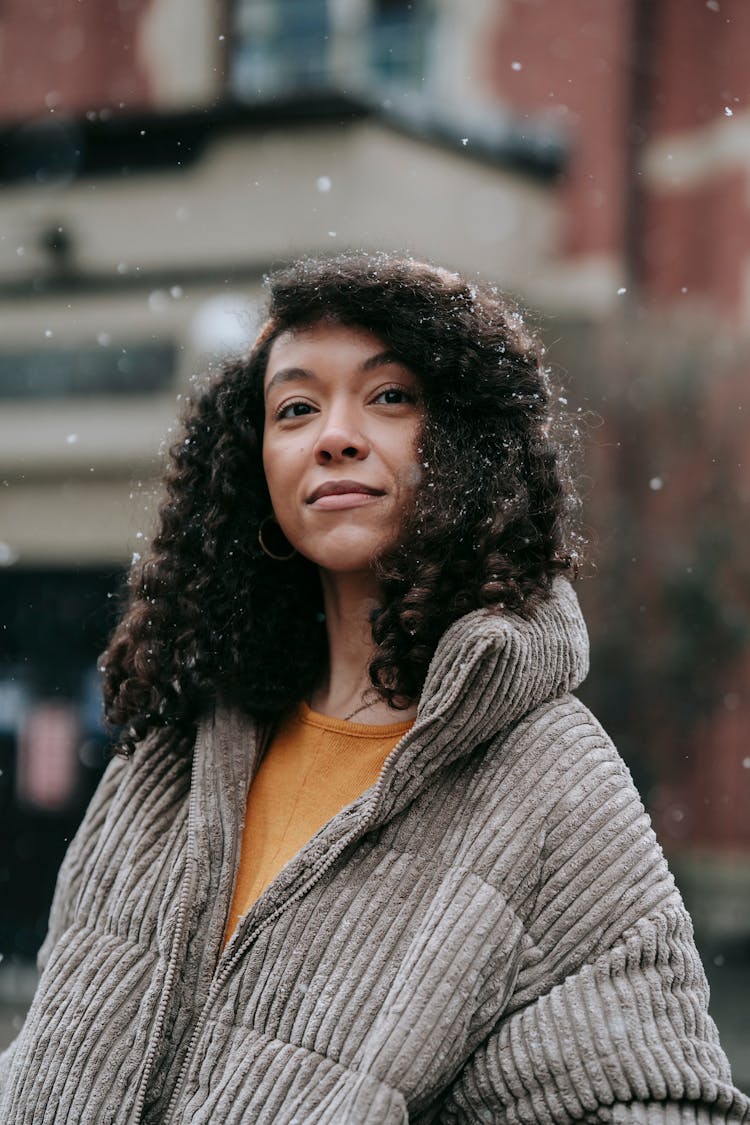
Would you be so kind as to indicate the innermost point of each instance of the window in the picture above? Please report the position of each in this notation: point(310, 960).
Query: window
point(279, 45)
point(291, 46)
point(398, 35)
point(110, 370)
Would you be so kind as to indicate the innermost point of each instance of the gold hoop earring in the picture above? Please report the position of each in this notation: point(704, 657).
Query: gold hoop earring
point(264, 548)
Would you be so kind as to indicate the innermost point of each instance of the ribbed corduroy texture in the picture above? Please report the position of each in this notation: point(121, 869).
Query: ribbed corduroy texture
point(488, 934)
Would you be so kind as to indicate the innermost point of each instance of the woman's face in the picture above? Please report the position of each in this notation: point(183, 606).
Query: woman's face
point(342, 418)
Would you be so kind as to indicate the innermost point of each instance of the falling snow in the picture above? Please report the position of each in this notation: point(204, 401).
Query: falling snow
point(7, 554)
point(158, 300)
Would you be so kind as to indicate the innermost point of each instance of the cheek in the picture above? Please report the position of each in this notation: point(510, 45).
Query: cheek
point(410, 476)
point(267, 460)
point(273, 468)
point(267, 471)
point(284, 467)
point(410, 471)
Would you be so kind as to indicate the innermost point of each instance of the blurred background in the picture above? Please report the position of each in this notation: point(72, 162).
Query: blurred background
point(158, 156)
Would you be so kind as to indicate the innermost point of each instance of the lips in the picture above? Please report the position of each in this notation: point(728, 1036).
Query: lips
point(343, 488)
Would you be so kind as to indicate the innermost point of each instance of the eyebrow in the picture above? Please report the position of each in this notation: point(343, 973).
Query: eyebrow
point(294, 374)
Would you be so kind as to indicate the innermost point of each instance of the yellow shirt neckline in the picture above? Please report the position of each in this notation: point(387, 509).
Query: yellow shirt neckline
point(305, 714)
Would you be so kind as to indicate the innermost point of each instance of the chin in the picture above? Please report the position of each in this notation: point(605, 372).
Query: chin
point(343, 562)
point(345, 553)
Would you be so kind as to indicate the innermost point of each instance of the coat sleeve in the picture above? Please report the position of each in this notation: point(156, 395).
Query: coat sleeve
point(70, 880)
point(70, 877)
point(626, 1039)
point(608, 1021)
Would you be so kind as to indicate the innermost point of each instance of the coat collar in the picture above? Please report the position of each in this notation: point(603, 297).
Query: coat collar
point(489, 669)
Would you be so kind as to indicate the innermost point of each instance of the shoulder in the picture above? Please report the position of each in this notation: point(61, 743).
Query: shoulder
point(146, 785)
point(135, 794)
point(135, 801)
point(556, 758)
point(558, 799)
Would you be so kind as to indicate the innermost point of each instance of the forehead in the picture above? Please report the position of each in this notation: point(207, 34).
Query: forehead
point(324, 340)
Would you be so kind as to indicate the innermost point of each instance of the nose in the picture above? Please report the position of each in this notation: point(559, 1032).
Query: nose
point(341, 439)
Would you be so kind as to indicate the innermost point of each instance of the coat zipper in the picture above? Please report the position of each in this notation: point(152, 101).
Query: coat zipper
point(314, 878)
point(182, 913)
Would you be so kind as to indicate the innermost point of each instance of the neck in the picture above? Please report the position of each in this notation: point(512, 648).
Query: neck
point(348, 601)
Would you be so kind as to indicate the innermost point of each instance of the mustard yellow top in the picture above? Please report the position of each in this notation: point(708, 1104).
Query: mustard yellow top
point(313, 767)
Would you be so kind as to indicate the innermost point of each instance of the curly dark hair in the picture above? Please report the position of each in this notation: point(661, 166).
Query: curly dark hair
point(210, 616)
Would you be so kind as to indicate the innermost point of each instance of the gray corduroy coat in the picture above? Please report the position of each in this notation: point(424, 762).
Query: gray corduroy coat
point(488, 934)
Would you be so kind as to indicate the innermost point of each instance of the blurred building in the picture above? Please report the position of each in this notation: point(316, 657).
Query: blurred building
point(158, 156)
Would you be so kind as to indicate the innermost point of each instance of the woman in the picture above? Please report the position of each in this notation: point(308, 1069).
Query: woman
point(364, 858)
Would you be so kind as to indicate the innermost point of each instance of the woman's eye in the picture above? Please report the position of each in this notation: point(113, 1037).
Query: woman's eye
point(394, 396)
point(294, 410)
